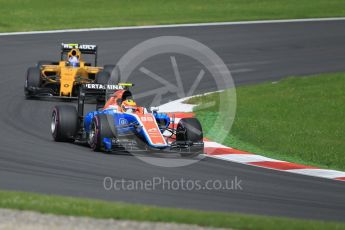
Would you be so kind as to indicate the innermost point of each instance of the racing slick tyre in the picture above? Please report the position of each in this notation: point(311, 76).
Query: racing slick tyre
point(102, 126)
point(64, 124)
point(102, 77)
point(189, 130)
point(108, 68)
point(32, 81)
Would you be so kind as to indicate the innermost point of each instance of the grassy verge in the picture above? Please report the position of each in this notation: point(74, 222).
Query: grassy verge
point(101, 209)
point(24, 15)
point(299, 119)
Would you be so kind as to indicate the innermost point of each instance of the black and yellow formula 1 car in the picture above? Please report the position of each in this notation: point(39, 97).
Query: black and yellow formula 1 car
point(62, 79)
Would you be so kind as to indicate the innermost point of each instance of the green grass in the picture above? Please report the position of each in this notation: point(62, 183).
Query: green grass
point(299, 119)
point(26, 15)
point(101, 209)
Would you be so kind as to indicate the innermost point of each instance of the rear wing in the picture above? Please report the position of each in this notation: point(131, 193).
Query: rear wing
point(98, 92)
point(83, 48)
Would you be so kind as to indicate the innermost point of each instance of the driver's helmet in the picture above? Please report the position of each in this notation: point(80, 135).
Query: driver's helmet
point(129, 106)
point(73, 57)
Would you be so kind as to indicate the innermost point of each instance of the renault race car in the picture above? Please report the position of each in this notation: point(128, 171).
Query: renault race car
point(62, 78)
point(112, 128)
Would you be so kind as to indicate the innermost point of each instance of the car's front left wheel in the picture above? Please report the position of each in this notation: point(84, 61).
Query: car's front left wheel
point(102, 126)
point(189, 130)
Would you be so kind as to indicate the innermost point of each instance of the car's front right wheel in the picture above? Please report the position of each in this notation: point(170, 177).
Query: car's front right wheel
point(32, 81)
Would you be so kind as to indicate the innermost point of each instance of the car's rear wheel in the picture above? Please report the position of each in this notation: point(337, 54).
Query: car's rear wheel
point(189, 130)
point(102, 77)
point(102, 126)
point(64, 123)
point(115, 79)
point(32, 81)
point(108, 68)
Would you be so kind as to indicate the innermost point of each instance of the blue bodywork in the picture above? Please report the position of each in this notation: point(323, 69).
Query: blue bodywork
point(127, 124)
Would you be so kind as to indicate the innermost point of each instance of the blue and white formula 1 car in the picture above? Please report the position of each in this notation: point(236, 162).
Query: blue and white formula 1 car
point(122, 125)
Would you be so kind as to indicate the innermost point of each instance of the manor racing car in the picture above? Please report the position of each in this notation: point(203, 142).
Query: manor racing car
point(122, 125)
point(63, 78)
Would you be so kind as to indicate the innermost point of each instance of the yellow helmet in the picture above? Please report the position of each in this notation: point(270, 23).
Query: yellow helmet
point(129, 106)
point(73, 57)
point(74, 53)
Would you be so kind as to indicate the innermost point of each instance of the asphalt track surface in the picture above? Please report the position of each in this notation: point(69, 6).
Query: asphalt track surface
point(31, 161)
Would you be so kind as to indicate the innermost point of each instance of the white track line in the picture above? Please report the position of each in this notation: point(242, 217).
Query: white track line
point(326, 173)
point(175, 26)
point(244, 158)
point(177, 105)
point(212, 144)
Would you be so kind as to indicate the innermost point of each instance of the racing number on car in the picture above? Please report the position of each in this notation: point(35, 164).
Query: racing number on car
point(152, 130)
point(144, 119)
